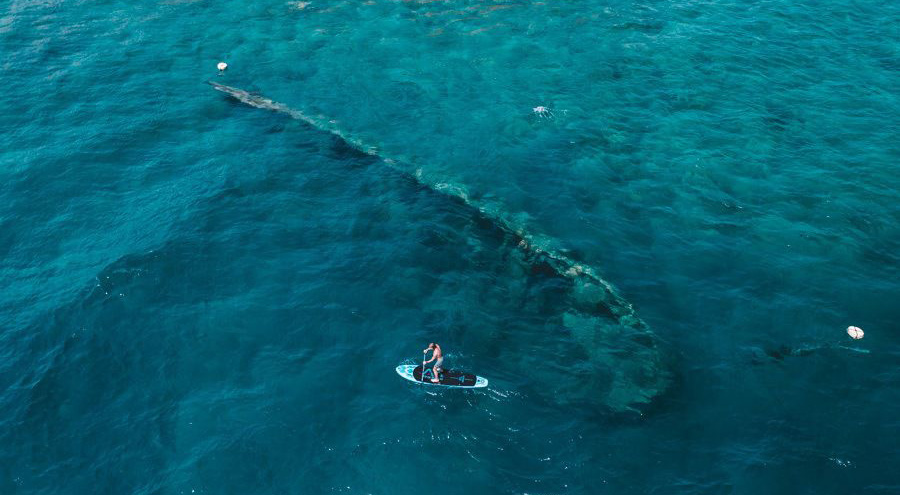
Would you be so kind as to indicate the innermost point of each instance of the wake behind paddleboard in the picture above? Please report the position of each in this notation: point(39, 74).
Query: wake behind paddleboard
point(449, 378)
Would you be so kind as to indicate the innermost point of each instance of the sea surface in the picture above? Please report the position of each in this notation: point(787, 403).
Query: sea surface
point(648, 224)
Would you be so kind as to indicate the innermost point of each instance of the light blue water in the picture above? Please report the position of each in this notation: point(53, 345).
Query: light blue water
point(209, 294)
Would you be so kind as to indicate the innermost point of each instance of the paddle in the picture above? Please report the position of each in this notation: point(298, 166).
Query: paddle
point(424, 353)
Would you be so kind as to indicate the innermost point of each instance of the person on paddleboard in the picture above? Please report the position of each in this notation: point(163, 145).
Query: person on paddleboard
point(438, 356)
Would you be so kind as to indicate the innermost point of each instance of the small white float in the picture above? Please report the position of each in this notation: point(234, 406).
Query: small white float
point(542, 111)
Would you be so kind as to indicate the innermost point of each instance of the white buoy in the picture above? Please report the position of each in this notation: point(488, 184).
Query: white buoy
point(222, 66)
point(855, 333)
point(542, 111)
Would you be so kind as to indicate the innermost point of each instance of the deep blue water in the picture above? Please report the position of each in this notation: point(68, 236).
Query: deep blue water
point(209, 294)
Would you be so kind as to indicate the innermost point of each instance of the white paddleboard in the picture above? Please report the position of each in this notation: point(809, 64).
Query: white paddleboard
point(449, 378)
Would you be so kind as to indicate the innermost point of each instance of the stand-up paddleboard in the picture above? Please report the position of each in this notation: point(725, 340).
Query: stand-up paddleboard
point(449, 378)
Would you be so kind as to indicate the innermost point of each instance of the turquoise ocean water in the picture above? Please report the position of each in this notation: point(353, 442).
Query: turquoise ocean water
point(206, 288)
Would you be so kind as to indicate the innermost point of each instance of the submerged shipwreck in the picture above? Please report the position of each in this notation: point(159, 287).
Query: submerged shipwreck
point(612, 359)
